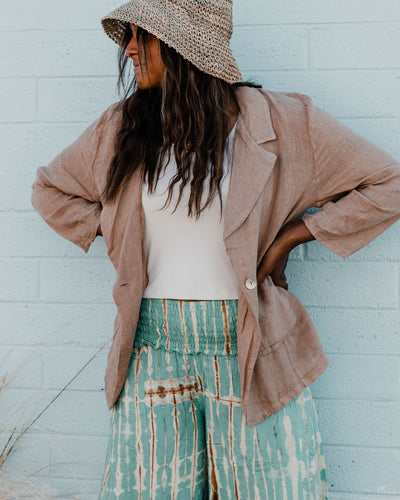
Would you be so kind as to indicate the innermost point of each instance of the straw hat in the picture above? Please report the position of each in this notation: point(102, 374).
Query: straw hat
point(199, 30)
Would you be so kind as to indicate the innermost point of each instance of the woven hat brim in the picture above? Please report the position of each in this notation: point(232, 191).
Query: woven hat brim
point(208, 51)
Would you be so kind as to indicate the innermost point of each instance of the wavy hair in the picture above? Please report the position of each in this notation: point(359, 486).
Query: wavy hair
point(190, 107)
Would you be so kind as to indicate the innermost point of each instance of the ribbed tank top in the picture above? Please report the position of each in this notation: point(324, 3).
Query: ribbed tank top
point(186, 258)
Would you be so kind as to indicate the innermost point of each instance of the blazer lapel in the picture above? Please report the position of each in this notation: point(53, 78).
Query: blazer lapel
point(251, 163)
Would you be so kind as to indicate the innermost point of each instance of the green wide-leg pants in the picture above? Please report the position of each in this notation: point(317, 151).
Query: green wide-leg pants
point(177, 430)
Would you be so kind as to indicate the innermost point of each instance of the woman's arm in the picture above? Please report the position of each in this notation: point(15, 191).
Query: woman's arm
point(274, 262)
point(356, 185)
point(294, 233)
point(65, 193)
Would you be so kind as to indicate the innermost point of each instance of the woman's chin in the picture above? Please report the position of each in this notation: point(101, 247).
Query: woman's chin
point(142, 84)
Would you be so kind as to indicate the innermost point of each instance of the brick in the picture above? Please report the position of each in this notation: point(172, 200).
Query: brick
point(344, 284)
point(358, 331)
point(76, 280)
point(12, 19)
point(83, 456)
point(78, 413)
point(312, 11)
point(42, 142)
point(365, 470)
point(52, 53)
point(340, 422)
point(60, 365)
point(21, 366)
point(55, 14)
point(74, 99)
point(28, 235)
point(360, 46)
point(64, 488)
point(62, 325)
point(31, 457)
point(343, 93)
point(19, 279)
point(20, 406)
point(270, 48)
point(15, 187)
point(360, 377)
point(17, 100)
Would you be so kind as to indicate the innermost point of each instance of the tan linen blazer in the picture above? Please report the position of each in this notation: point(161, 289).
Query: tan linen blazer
point(289, 155)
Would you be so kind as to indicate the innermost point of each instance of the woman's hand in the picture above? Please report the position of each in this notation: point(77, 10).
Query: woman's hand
point(274, 263)
point(276, 257)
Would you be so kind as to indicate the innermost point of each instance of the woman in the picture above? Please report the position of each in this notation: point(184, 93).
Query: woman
point(212, 357)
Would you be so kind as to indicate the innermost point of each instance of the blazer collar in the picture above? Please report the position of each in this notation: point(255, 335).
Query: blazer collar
point(252, 164)
point(255, 113)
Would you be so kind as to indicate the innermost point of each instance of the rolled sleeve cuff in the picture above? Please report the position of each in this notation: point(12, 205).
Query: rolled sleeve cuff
point(329, 233)
point(86, 242)
point(317, 223)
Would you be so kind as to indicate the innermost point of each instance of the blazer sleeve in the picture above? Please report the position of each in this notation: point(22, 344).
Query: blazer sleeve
point(64, 193)
point(357, 185)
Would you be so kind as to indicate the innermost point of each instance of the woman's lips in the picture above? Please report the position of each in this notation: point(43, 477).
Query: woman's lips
point(136, 64)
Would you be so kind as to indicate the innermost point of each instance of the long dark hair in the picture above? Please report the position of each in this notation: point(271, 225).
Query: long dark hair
point(189, 107)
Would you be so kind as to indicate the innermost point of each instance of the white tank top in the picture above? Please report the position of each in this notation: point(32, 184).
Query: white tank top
point(186, 258)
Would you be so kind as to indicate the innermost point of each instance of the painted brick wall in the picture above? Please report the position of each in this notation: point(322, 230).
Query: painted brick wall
point(57, 74)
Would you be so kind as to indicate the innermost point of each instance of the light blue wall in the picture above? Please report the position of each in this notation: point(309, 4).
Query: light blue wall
point(57, 74)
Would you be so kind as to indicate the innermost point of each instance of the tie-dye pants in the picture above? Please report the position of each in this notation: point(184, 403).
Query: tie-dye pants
point(177, 430)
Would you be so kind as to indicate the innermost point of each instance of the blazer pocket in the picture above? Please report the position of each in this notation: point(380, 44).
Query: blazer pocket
point(275, 315)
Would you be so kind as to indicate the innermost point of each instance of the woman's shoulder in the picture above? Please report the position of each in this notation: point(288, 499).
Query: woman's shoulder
point(288, 110)
point(107, 124)
point(287, 101)
point(105, 129)
point(111, 115)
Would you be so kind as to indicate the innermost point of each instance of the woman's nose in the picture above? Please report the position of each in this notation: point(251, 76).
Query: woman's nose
point(131, 48)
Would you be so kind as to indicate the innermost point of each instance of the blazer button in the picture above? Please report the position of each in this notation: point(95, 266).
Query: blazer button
point(251, 283)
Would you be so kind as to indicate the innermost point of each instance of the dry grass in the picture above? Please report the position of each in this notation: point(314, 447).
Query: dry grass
point(14, 484)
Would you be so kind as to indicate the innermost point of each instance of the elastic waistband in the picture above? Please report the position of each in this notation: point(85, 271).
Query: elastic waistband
point(188, 326)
